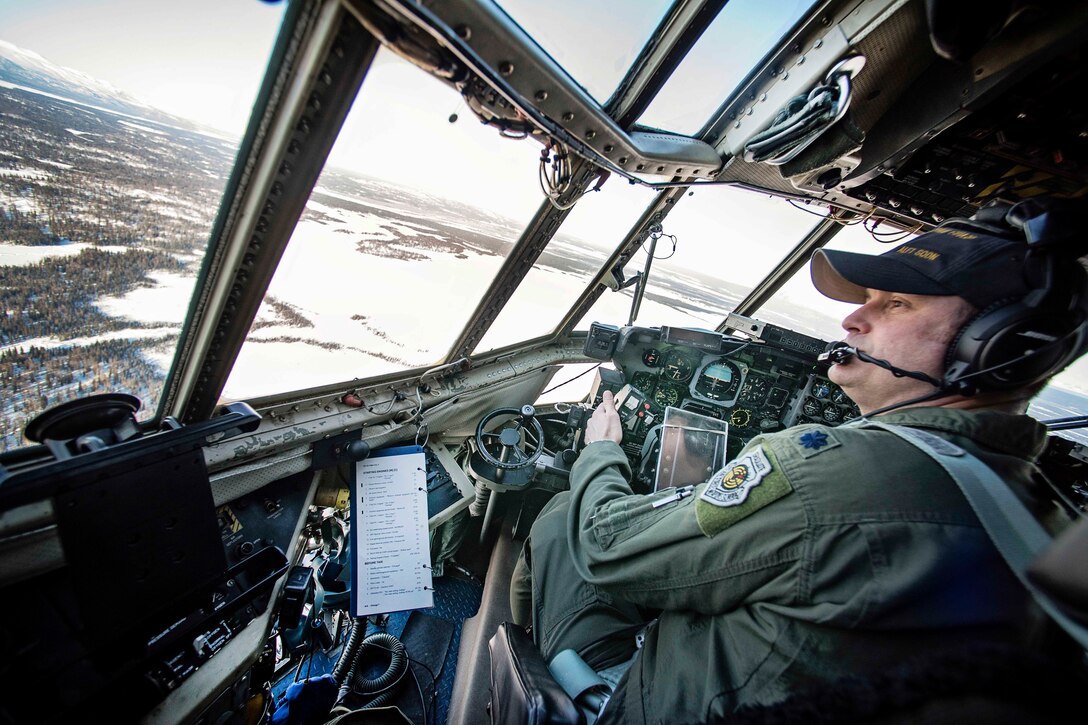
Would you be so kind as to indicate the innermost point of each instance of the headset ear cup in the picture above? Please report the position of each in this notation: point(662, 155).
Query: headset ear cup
point(960, 358)
point(1010, 345)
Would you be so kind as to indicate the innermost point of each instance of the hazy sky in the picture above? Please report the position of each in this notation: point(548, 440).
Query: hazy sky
point(199, 59)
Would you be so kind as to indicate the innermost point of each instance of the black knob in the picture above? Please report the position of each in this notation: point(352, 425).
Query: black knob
point(357, 450)
point(528, 411)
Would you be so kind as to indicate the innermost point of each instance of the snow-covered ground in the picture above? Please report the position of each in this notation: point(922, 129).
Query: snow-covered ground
point(19, 255)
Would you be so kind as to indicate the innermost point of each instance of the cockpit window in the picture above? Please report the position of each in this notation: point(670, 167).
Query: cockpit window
point(743, 32)
point(726, 241)
point(575, 254)
point(119, 124)
point(570, 32)
point(798, 306)
point(409, 222)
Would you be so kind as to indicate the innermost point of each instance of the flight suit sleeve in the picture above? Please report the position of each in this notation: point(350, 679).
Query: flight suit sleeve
point(660, 556)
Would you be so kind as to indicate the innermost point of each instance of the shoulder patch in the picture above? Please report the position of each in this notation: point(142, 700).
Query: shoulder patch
point(813, 442)
point(745, 485)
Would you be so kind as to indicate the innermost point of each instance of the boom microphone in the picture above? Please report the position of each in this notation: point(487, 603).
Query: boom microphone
point(839, 352)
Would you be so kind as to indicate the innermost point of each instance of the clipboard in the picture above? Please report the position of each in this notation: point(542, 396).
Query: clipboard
point(390, 542)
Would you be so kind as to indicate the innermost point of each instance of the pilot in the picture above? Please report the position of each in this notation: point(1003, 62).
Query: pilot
point(818, 553)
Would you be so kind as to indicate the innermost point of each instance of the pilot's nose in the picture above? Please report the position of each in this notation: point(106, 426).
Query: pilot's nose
point(857, 321)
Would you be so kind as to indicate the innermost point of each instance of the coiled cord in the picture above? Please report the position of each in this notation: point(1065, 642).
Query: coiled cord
point(380, 690)
point(347, 657)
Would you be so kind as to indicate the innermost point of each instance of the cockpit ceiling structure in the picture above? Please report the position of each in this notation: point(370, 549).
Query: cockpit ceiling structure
point(909, 87)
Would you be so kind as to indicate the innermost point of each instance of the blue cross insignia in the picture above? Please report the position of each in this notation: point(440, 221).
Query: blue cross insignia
point(815, 440)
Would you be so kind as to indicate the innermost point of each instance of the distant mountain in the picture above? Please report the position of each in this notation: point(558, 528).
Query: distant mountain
point(28, 69)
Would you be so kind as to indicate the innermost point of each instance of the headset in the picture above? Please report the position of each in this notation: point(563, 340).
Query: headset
point(1017, 342)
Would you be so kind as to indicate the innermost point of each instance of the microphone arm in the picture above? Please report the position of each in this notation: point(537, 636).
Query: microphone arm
point(839, 352)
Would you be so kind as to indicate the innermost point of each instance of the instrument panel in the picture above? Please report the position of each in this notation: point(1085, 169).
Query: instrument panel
point(756, 386)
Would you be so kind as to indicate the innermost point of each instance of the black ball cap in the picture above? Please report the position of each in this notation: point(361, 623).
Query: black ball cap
point(980, 268)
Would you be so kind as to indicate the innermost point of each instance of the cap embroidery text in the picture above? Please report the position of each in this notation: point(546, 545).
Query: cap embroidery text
point(923, 253)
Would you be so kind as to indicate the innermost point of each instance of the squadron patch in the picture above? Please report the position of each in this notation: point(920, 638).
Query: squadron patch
point(730, 485)
point(744, 486)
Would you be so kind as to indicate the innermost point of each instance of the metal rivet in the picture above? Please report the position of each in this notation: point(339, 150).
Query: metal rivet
point(506, 68)
point(736, 125)
point(763, 98)
point(590, 133)
point(785, 75)
point(819, 43)
point(801, 60)
point(463, 32)
point(640, 167)
point(541, 95)
point(608, 148)
point(568, 117)
point(660, 168)
point(749, 112)
point(622, 160)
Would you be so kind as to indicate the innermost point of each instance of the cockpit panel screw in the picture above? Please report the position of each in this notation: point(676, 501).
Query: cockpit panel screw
point(568, 117)
point(463, 32)
point(506, 68)
point(541, 96)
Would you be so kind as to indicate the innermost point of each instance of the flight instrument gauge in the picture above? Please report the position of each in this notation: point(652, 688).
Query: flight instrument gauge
point(832, 413)
point(812, 408)
point(754, 390)
point(821, 390)
point(838, 396)
point(740, 417)
point(719, 381)
point(679, 365)
point(651, 358)
point(667, 395)
point(644, 381)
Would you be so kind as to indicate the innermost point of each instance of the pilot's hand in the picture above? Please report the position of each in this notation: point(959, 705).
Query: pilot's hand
point(604, 424)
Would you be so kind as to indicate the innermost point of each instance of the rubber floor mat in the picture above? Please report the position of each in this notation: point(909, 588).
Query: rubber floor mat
point(426, 639)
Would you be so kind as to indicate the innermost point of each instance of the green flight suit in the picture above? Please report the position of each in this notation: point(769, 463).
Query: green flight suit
point(848, 552)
